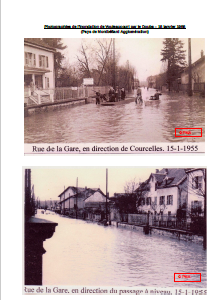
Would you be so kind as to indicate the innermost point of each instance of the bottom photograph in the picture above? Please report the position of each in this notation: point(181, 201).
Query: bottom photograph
point(115, 230)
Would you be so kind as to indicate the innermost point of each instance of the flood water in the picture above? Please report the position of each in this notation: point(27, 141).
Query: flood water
point(86, 254)
point(154, 122)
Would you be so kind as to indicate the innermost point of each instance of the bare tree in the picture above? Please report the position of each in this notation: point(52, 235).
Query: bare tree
point(83, 59)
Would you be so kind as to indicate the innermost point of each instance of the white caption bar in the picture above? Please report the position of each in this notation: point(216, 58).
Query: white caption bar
point(128, 148)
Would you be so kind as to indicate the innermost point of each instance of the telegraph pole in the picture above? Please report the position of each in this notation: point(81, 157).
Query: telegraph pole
point(190, 93)
point(114, 80)
point(77, 197)
point(106, 190)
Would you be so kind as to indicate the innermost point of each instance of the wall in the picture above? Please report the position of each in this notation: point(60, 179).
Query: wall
point(186, 237)
point(68, 192)
point(96, 197)
point(192, 193)
point(198, 73)
point(166, 192)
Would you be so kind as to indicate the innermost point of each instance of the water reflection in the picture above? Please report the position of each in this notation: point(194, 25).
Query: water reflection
point(81, 253)
point(154, 122)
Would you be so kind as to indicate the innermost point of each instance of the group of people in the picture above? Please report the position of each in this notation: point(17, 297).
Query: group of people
point(117, 94)
point(114, 95)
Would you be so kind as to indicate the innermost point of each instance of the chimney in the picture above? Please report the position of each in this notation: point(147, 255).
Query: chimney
point(201, 53)
point(157, 170)
point(166, 170)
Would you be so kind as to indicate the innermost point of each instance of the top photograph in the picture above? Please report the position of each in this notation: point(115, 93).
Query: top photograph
point(114, 95)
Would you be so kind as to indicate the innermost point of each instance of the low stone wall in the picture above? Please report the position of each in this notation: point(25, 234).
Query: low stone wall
point(56, 106)
point(177, 235)
point(133, 227)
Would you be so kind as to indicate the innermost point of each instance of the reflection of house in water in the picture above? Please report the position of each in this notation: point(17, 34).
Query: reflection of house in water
point(39, 69)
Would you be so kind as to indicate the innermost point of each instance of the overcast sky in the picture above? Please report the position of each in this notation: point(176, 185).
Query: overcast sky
point(50, 182)
point(142, 53)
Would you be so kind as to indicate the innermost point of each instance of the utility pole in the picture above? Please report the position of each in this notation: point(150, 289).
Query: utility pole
point(114, 80)
point(106, 190)
point(77, 197)
point(28, 207)
point(190, 93)
point(69, 204)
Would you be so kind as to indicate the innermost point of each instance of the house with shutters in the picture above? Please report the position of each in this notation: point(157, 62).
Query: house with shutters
point(39, 75)
point(164, 192)
point(196, 181)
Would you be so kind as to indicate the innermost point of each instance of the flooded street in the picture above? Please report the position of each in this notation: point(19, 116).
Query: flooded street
point(154, 122)
point(81, 253)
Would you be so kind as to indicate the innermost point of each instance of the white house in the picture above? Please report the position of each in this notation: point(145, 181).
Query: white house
point(165, 191)
point(38, 70)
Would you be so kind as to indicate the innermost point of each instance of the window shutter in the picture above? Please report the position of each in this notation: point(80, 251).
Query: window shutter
point(26, 58)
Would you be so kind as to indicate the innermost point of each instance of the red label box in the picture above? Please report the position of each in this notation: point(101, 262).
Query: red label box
point(185, 132)
point(187, 276)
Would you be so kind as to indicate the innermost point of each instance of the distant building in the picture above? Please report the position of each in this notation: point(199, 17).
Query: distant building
point(95, 206)
point(38, 70)
point(89, 203)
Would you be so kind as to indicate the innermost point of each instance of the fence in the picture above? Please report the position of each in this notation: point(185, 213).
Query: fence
point(199, 87)
point(78, 92)
point(169, 221)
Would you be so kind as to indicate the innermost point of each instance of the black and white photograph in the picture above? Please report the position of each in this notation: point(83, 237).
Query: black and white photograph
point(134, 227)
point(114, 91)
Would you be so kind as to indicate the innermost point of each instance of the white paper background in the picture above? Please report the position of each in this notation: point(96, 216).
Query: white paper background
point(26, 19)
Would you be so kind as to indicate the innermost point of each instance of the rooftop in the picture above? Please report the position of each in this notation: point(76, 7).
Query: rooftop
point(38, 43)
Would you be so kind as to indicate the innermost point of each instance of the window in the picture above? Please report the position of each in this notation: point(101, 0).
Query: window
point(148, 201)
point(162, 200)
point(197, 182)
point(30, 59)
point(46, 82)
point(196, 206)
point(43, 61)
point(170, 200)
point(169, 215)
